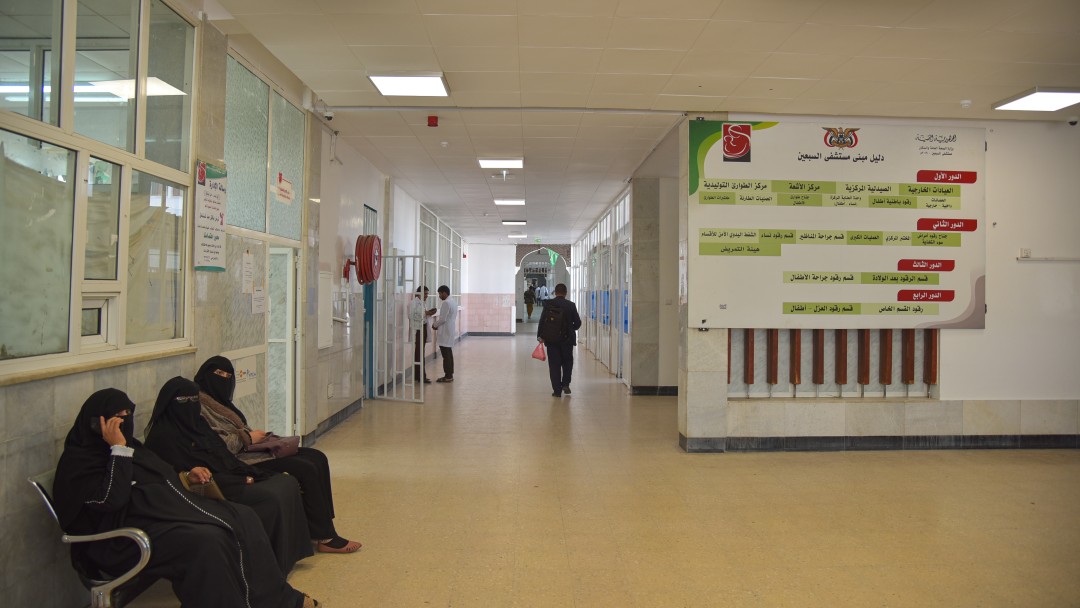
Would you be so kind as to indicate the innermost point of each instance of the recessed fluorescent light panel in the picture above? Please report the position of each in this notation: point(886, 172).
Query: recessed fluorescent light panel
point(510, 201)
point(1040, 99)
point(513, 222)
point(503, 163)
point(431, 85)
point(517, 236)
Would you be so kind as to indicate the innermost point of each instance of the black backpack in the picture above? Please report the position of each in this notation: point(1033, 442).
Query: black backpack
point(553, 323)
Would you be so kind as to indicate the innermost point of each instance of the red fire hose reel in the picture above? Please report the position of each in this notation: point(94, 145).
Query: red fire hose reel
point(368, 260)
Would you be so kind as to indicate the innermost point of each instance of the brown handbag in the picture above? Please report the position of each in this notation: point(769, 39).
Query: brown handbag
point(209, 489)
point(279, 447)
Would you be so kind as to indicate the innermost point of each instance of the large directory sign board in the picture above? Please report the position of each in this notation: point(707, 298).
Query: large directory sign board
point(839, 225)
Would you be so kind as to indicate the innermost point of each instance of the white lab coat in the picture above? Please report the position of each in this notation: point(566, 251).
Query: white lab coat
point(446, 323)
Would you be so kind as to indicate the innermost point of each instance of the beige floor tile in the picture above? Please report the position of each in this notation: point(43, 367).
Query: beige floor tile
point(492, 494)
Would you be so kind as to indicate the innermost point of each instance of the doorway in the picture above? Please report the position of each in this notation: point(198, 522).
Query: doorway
point(282, 337)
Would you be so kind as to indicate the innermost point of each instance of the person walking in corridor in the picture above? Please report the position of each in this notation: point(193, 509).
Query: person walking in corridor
point(530, 300)
point(446, 325)
point(557, 330)
point(418, 324)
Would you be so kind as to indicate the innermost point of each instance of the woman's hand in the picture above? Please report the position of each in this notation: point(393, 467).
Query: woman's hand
point(110, 431)
point(200, 475)
point(257, 436)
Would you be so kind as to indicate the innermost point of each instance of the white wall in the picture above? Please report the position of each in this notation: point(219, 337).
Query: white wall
point(490, 269)
point(1030, 348)
point(347, 186)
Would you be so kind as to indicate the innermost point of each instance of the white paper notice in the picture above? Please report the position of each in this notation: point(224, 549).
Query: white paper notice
point(258, 301)
point(210, 199)
point(247, 378)
point(248, 270)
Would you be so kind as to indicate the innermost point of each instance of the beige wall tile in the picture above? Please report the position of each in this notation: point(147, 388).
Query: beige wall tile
point(991, 417)
point(870, 419)
point(1050, 417)
point(934, 418)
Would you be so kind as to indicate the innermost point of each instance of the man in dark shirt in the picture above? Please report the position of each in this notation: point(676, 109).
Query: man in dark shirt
point(560, 341)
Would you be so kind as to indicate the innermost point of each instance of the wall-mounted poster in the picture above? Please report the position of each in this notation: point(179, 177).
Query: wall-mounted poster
point(211, 197)
point(847, 224)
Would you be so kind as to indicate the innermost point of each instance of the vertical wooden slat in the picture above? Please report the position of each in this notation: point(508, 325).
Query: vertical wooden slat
point(729, 356)
point(907, 349)
point(819, 356)
point(841, 356)
point(795, 362)
point(930, 359)
point(864, 356)
point(885, 361)
point(772, 357)
point(748, 357)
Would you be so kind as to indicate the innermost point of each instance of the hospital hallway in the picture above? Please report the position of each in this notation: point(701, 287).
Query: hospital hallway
point(494, 494)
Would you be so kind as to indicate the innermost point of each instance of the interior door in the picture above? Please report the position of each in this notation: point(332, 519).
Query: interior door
point(282, 335)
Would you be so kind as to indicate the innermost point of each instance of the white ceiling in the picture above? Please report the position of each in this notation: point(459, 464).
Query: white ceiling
point(533, 78)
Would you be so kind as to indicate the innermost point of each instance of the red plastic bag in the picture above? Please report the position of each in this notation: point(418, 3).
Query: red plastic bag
point(538, 352)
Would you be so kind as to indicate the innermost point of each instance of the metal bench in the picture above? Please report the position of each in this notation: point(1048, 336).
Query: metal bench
point(105, 591)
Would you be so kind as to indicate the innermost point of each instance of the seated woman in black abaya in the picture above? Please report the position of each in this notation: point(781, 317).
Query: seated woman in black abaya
point(217, 381)
point(215, 553)
point(181, 437)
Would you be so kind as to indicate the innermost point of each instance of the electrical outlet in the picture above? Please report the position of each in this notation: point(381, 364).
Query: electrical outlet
point(1025, 252)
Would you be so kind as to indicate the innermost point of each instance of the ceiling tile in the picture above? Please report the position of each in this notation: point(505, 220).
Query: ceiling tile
point(950, 14)
point(382, 59)
point(689, 103)
point(858, 12)
point(544, 99)
point(335, 79)
point(743, 36)
point(487, 99)
point(823, 107)
point(395, 30)
point(877, 68)
point(630, 84)
point(476, 59)
point(471, 30)
point(670, 34)
point(752, 104)
point(549, 59)
point(637, 61)
point(773, 87)
point(579, 32)
point(699, 86)
point(915, 43)
point(828, 39)
point(351, 98)
point(291, 29)
point(669, 9)
point(602, 8)
point(788, 11)
point(834, 90)
point(406, 7)
point(556, 83)
point(733, 64)
point(623, 101)
point(1061, 16)
point(268, 7)
point(798, 65)
point(483, 81)
point(316, 56)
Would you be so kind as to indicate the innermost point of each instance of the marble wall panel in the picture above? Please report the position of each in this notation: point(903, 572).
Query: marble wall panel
point(756, 418)
point(1050, 417)
point(242, 328)
point(992, 417)
point(814, 418)
point(934, 418)
point(707, 415)
point(867, 419)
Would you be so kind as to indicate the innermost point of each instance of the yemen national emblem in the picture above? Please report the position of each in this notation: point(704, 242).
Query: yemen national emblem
point(839, 137)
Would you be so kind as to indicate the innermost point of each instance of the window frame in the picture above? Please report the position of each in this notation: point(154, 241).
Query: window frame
point(109, 347)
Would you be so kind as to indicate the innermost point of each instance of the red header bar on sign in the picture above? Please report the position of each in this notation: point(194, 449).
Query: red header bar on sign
point(925, 295)
point(926, 265)
point(946, 177)
point(947, 225)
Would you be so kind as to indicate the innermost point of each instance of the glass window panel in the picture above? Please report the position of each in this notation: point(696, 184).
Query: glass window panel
point(102, 220)
point(106, 57)
point(155, 309)
point(37, 207)
point(30, 30)
point(286, 168)
point(91, 322)
point(168, 88)
point(247, 119)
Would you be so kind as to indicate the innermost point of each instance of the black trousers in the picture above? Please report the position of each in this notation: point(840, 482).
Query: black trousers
point(560, 360)
point(447, 361)
point(418, 355)
point(310, 467)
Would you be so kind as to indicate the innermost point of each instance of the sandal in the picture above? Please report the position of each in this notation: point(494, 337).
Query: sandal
point(310, 602)
point(338, 545)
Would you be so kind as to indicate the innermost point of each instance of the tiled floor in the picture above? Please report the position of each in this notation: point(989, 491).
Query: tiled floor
point(495, 494)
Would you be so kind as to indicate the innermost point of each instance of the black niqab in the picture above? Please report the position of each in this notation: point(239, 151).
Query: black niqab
point(181, 436)
point(220, 387)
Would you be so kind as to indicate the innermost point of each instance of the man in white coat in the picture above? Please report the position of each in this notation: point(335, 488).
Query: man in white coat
point(543, 294)
point(446, 325)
